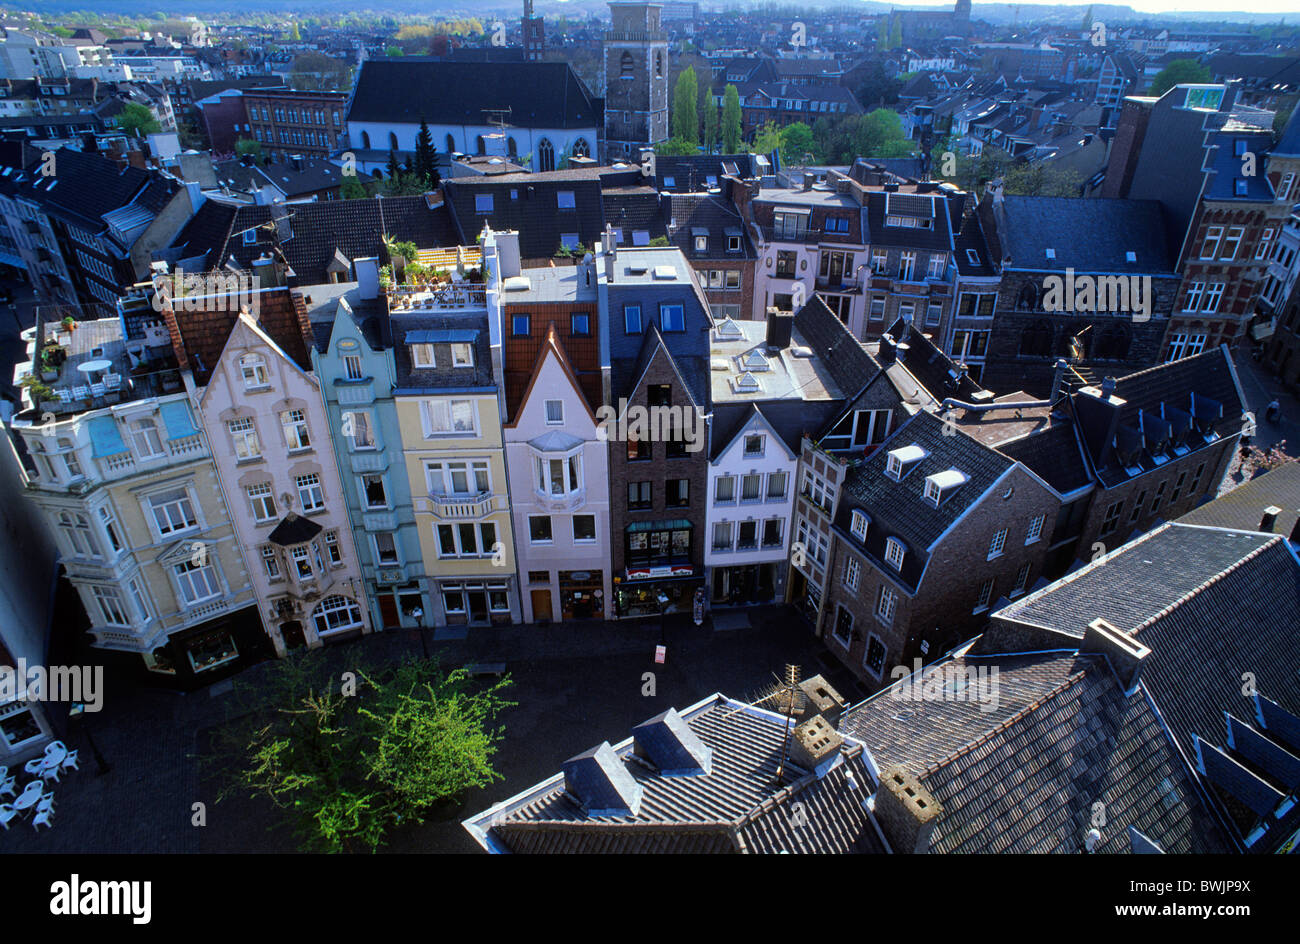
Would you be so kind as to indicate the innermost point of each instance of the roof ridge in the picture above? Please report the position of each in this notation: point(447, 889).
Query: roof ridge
point(1277, 538)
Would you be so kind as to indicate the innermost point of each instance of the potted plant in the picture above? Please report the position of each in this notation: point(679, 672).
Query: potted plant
point(53, 356)
point(36, 389)
point(68, 324)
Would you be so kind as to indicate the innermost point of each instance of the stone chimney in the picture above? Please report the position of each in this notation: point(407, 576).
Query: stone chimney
point(809, 178)
point(610, 250)
point(822, 700)
point(1269, 521)
point(1098, 411)
point(780, 328)
point(508, 254)
point(815, 744)
point(1124, 653)
point(906, 811)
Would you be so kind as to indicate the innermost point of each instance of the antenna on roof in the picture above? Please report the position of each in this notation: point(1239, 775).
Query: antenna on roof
point(786, 697)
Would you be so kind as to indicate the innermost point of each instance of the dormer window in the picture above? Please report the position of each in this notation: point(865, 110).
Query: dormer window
point(894, 553)
point(422, 355)
point(462, 355)
point(941, 483)
point(858, 526)
point(900, 460)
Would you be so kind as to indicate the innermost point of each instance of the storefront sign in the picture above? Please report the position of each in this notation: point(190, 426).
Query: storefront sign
point(665, 570)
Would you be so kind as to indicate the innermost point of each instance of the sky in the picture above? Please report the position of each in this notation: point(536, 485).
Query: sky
point(1291, 8)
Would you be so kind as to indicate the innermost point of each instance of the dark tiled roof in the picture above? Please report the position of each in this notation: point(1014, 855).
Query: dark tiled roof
point(690, 173)
point(354, 227)
point(530, 207)
point(407, 89)
point(970, 237)
point(690, 213)
point(85, 186)
point(294, 529)
point(738, 806)
point(933, 369)
point(1025, 777)
point(851, 366)
point(442, 375)
point(1243, 507)
point(1087, 234)
point(933, 206)
point(1054, 454)
point(898, 509)
point(199, 337)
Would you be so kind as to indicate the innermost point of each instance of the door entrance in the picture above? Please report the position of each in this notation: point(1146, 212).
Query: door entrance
point(388, 611)
point(292, 634)
point(478, 606)
point(541, 605)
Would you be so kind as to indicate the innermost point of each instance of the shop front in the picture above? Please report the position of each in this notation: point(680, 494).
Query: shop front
point(475, 602)
point(744, 585)
point(401, 606)
point(649, 591)
point(582, 594)
point(210, 652)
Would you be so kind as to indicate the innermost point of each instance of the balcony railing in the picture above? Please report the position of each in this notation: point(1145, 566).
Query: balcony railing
point(566, 501)
point(442, 297)
point(457, 507)
point(189, 446)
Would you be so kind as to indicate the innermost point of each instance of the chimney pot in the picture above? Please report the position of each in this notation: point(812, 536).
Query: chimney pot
point(1123, 651)
point(1269, 521)
point(906, 811)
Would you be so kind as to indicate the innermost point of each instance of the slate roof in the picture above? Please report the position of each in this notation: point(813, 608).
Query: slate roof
point(1243, 507)
point(1289, 143)
point(932, 368)
point(1054, 454)
point(970, 236)
point(689, 213)
point(406, 89)
point(1088, 234)
point(737, 807)
point(529, 205)
point(411, 379)
point(690, 172)
point(290, 180)
point(1227, 167)
point(1024, 776)
point(354, 227)
point(933, 206)
point(898, 509)
point(850, 365)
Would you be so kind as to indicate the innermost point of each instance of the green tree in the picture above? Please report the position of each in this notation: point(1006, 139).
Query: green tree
point(896, 34)
point(686, 119)
point(797, 145)
point(1086, 26)
point(675, 147)
point(137, 120)
point(1178, 72)
point(393, 51)
point(877, 134)
point(246, 147)
point(731, 120)
point(426, 157)
point(347, 767)
point(710, 124)
point(295, 35)
point(1280, 120)
point(393, 168)
point(352, 188)
point(767, 139)
point(882, 34)
point(1041, 180)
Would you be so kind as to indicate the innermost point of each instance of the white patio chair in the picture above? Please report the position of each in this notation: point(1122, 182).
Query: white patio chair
point(71, 761)
point(64, 395)
point(35, 787)
point(7, 813)
point(113, 381)
point(80, 393)
point(34, 766)
point(7, 786)
point(45, 819)
point(49, 771)
point(45, 804)
point(97, 390)
point(56, 746)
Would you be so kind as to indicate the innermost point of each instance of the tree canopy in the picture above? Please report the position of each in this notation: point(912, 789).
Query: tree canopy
point(731, 121)
point(1179, 72)
point(137, 120)
point(685, 117)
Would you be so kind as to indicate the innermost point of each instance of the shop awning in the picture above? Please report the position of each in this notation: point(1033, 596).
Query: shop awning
point(105, 437)
point(675, 524)
point(176, 417)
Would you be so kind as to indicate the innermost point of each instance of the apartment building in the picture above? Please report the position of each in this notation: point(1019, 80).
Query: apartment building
point(118, 464)
point(289, 122)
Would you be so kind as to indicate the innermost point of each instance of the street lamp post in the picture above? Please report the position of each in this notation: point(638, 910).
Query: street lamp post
point(77, 712)
point(418, 613)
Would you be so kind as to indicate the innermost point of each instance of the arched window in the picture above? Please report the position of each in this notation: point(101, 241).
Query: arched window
point(511, 147)
point(581, 148)
point(365, 140)
point(1028, 299)
point(480, 145)
point(392, 140)
point(545, 155)
point(451, 145)
point(335, 613)
point(625, 66)
point(1037, 340)
point(659, 63)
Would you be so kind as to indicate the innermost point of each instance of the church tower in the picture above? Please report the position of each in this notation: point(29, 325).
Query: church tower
point(636, 79)
point(534, 34)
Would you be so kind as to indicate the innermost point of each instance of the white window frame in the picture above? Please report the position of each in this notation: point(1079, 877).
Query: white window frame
point(314, 491)
point(895, 553)
point(852, 574)
point(1035, 531)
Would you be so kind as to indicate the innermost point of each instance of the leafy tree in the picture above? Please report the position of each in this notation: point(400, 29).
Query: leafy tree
point(137, 120)
point(352, 188)
point(731, 123)
point(246, 147)
point(675, 147)
point(1042, 180)
point(876, 131)
point(295, 35)
point(1086, 25)
point(877, 88)
point(1179, 72)
point(882, 33)
point(426, 157)
point(767, 139)
point(347, 767)
point(797, 144)
point(686, 120)
point(314, 71)
point(394, 51)
point(710, 124)
point(1280, 120)
point(896, 34)
point(393, 170)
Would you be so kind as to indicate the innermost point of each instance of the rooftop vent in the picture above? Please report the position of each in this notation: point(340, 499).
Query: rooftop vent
point(599, 781)
point(668, 742)
point(665, 272)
